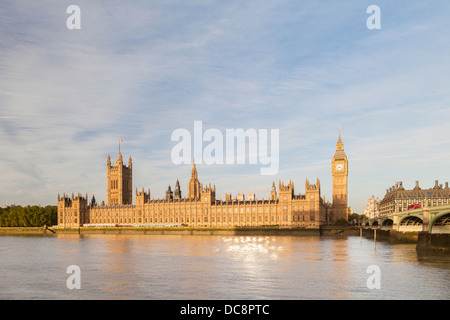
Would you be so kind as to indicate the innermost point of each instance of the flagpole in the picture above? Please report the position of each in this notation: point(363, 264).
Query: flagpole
point(120, 140)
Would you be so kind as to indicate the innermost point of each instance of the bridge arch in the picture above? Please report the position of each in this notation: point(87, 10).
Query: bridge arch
point(411, 223)
point(441, 223)
point(387, 224)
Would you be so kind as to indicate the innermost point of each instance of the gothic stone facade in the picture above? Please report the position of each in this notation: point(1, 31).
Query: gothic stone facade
point(201, 208)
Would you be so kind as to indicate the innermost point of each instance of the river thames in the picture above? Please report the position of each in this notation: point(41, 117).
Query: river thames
point(169, 267)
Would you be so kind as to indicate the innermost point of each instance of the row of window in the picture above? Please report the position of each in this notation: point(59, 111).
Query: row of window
point(115, 184)
point(72, 213)
point(296, 218)
point(427, 196)
point(403, 206)
point(206, 210)
point(410, 201)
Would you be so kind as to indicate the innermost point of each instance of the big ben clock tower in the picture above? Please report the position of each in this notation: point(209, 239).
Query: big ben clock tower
point(339, 170)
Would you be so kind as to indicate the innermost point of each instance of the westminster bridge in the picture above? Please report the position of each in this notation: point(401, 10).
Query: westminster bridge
point(433, 220)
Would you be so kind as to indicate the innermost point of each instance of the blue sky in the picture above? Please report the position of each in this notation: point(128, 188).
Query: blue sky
point(141, 69)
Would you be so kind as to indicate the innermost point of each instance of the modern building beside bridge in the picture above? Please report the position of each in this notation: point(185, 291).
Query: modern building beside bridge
point(431, 215)
point(429, 219)
point(398, 198)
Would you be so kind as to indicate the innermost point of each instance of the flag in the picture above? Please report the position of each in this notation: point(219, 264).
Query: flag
point(121, 140)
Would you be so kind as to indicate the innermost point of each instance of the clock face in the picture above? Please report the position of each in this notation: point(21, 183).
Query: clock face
point(339, 166)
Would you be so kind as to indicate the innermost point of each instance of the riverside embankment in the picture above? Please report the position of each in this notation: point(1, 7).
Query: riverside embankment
point(161, 231)
point(424, 241)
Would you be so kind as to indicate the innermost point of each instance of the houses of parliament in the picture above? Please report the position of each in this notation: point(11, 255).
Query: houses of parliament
point(200, 208)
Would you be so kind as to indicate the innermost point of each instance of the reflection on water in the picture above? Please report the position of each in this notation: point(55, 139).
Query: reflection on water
point(249, 248)
point(217, 267)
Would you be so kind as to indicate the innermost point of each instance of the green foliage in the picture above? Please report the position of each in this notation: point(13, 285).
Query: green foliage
point(341, 222)
point(357, 217)
point(29, 216)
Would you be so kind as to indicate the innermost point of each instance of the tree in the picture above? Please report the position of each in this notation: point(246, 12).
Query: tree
point(29, 216)
point(341, 222)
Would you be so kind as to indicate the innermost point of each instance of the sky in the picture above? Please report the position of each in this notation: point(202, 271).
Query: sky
point(139, 70)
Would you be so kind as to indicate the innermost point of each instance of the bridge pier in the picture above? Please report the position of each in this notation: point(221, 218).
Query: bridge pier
point(395, 222)
point(426, 220)
point(433, 242)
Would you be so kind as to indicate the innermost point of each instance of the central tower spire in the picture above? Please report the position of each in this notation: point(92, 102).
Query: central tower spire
point(194, 184)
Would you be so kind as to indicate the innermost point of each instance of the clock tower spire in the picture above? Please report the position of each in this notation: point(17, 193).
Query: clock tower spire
point(339, 171)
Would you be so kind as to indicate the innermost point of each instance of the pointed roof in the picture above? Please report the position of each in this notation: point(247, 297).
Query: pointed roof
point(339, 142)
point(194, 171)
point(339, 147)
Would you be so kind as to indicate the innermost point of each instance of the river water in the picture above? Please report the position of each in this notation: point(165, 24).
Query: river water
point(218, 267)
